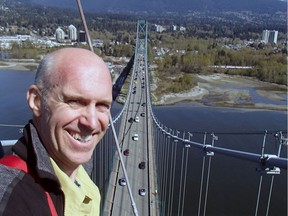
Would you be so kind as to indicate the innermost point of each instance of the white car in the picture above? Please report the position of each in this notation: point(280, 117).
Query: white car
point(122, 181)
point(136, 119)
point(135, 137)
point(142, 192)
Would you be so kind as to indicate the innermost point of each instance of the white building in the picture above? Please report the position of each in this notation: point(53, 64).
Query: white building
point(269, 36)
point(173, 28)
point(158, 28)
point(273, 37)
point(265, 36)
point(60, 35)
point(72, 33)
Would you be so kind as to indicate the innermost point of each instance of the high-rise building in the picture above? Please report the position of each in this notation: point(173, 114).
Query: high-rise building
point(72, 33)
point(265, 36)
point(269, 36)
point(273, 37)
point(60, 35)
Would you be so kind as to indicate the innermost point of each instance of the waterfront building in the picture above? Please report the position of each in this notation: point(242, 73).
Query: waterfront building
point(269, 36)
point(273, 37)
point(72, 33)
point(60, 35)
point(265, 36)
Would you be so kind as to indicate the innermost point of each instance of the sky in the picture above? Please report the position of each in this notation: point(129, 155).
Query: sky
point(170, 5)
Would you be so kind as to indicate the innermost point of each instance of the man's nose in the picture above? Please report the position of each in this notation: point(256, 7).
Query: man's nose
point(90, 117)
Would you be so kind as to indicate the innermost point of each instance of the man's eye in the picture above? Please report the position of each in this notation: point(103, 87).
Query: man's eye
point(103, 107)
point(74, 102)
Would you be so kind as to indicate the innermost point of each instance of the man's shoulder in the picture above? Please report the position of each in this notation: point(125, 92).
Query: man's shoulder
point(20, 194)
point(7, 173)
point(9, 178)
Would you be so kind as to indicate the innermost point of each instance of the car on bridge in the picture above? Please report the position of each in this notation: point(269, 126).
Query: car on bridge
point(135, 137)
point(122, 181)
point(142, 192)
point(142, 165)
point(126, 152)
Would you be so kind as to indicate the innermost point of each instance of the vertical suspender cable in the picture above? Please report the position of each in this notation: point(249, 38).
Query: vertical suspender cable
point(180, 187)
point(261, 176)
point(159, 165)
point(272, 178)
point(202, 177)
point(160, 180)
point(170, 181)
point(173, 174)
point(111, 120)
point(258, 196)
point(185, 178)
point(101, 164)
point(270, 193)
point(208, 176)
point(165, 173)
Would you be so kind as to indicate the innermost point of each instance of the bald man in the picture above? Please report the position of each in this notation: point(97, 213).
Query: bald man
point(70, 104)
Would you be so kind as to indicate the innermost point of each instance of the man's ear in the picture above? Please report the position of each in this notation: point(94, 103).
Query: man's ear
point(33, 97)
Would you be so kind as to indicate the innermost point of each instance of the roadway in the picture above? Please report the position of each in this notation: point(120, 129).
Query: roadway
point(135, 138)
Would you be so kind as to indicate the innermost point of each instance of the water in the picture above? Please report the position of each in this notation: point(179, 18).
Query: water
point(13, 106)
point(234, 183)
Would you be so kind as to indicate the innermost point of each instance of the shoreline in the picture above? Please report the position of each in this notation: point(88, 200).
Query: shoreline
point(230, 91)
point(19, 65)
point(216, 90)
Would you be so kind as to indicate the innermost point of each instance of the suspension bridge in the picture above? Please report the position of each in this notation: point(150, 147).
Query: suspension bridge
point(148, 171)
point(168, 153)
point(143, 167)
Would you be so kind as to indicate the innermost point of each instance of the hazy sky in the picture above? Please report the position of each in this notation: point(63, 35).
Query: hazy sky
point(96, 5)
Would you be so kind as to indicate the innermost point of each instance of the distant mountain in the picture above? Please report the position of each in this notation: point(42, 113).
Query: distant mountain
point(260, 6)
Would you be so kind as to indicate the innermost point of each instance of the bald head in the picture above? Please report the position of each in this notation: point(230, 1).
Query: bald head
point(55, 65)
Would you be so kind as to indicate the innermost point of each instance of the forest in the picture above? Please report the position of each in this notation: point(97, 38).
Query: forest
point(264, 61)
point(204, 44)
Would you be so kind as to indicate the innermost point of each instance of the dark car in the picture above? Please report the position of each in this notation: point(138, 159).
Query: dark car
point(142, 165)
point(126, 152)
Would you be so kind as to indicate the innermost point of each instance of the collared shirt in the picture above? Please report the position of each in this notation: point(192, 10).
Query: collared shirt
point(82, 197)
